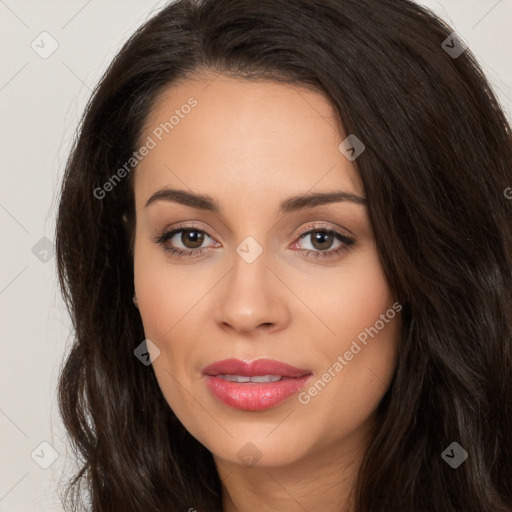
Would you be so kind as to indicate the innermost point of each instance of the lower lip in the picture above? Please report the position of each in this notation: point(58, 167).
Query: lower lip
point(254, 396)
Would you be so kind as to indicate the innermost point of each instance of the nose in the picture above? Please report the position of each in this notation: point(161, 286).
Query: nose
point(252, 298)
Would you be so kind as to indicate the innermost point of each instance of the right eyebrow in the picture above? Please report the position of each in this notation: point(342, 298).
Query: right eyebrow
point(200, 201)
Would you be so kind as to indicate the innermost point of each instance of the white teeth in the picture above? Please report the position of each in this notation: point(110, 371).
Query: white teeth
point(244, 378)
point(266, 378)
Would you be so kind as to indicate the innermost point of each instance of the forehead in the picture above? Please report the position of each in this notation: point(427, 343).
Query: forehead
point(224, 135)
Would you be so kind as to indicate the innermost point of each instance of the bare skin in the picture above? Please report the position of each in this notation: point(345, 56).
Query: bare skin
point(250, 145)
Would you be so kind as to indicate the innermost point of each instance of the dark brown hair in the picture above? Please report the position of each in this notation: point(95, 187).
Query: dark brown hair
point(438, 159)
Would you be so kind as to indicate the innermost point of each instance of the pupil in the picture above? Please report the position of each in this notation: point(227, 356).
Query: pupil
point(323, 239)
point(194, 237)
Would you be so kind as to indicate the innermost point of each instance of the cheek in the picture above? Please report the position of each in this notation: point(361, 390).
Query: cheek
point(368, 321)
point(165, 292)
point(166, 295)
point(352, 298)
point(162, 300)
point(154, 291)
point(365, 296)
point(351, 305)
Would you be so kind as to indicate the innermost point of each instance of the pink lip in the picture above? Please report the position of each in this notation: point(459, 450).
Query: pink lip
point(251, 396)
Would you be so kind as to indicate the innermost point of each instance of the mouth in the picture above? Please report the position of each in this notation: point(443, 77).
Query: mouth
point(254, 379)
point(254, 386)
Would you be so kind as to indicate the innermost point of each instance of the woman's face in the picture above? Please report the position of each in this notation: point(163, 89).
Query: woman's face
point(247, 285)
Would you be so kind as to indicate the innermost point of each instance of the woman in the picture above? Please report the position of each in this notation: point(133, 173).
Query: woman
point(306, 202)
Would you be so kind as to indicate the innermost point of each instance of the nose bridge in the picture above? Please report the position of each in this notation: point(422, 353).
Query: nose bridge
point(251, 295)
point(249, 279)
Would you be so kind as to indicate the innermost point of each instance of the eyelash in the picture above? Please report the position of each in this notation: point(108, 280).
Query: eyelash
point(347, 242)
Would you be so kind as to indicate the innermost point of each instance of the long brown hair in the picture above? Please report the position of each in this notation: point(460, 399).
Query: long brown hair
point(438, 160)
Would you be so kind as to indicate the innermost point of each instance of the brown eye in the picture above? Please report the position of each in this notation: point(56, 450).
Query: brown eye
point(193, 237)
point(321, 240)
point(185, 241)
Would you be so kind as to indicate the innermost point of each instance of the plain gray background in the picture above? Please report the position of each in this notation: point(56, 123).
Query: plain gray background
point(41, 100)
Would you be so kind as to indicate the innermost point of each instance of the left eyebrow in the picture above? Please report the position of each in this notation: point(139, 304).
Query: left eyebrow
point(301, 202)
point(291, 204)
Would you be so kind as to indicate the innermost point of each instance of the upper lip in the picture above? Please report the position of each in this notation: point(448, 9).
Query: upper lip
point(258, 367)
